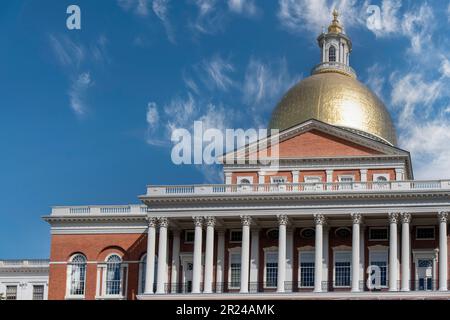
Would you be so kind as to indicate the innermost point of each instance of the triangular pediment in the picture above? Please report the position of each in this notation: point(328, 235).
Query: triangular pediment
point(315, 139)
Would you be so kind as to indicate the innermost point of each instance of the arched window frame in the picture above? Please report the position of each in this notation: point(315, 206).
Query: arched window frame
point(119, 287)
point(332, 54)
point(76, 277)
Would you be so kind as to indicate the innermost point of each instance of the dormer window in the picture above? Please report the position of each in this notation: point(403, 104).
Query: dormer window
point(332, 54)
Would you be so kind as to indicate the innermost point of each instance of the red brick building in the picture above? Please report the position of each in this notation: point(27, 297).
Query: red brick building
point(340, 214)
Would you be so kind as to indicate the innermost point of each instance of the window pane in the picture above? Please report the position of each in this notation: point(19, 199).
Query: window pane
point(307, 269)
point(11, 292)
point(38, 292)
point(342, 267)
point(78, 275)
point(425, 233)
point(378, 234)
point(113, 275)
point(235, 270)
point(236, 236)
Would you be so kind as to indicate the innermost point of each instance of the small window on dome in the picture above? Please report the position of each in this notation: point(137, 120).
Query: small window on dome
point(332, 54)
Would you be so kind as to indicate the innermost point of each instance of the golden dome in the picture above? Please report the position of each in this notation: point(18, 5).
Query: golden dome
point(336, 99)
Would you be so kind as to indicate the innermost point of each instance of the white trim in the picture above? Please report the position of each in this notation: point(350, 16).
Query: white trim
point(69, 266)
point(378, 175)
point(424, 254)
point(343, 176)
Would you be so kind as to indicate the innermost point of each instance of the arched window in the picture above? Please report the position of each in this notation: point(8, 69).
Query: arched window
point(332, 54)
point(113, 275)
point(77, 267)
point(245, 181)
point(381, 179)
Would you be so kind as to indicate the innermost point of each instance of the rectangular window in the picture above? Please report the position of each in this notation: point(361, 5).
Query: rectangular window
point(310, 183)
point(271, 269)
point(306, 269)
point(342, 269)
point(378, 234)
point(278, 180)
point(235, 236)
point(38, 292)
point(425, 233)
point(235, 270)
point(346, 182)
point(189, 236)
point(380, 260)
point(11, 292)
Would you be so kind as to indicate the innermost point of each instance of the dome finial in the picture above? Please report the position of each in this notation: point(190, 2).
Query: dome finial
point(335, 26)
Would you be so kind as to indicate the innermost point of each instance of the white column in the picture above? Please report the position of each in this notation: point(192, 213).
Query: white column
point(393, 248)
point(406, 252)
point(245, 253)
point(319, 221)
point(282, 222)
point(363, 175)
point(162, 256)
point(220, 260)
point(209, 255)
point(326, 248)
point(443, 259)
point(150, 263)
point(197, 270)
point(357, 218)
point(254, 256)
point(175, 261)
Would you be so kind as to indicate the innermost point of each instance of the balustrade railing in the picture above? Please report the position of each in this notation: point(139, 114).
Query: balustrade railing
point(321, 187)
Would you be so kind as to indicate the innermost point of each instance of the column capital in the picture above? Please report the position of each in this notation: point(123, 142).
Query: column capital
point(210, 221)
point(364, 170)
point(393, 217)
point(443, 216)
point(320, 219)
point(198, 221)
point(283, 220)
point(152, 221)
point(406, 217)
point(246, 220)
point(357, 218)
point(163, 222)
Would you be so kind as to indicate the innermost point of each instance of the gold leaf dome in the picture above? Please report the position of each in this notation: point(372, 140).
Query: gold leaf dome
point(336, 99)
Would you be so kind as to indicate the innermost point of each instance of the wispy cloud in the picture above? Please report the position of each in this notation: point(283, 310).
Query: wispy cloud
point(376, 79)
point(68, 53)
point(161, 10)
point(210, 19)
point(264, 84)
point(77, 93)
point(245, 7)
point(217, 72)
point(417, 26)
point(387, 23)
point(140, 7)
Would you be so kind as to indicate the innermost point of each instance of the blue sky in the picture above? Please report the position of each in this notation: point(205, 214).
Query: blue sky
point(85, 114)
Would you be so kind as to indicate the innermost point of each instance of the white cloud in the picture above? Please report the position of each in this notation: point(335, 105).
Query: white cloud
point(140, 7)
point(217, 71)
point(77, 93)
point(376, 79)
point(210, 18)
point(161, 10)
point(246, 7)
point(411, 91)
point(384, 21)
point(428, 144)
point(313, 15)
point(68, 53)
point(417, 26)
point(445, 67)
point(265, 82)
